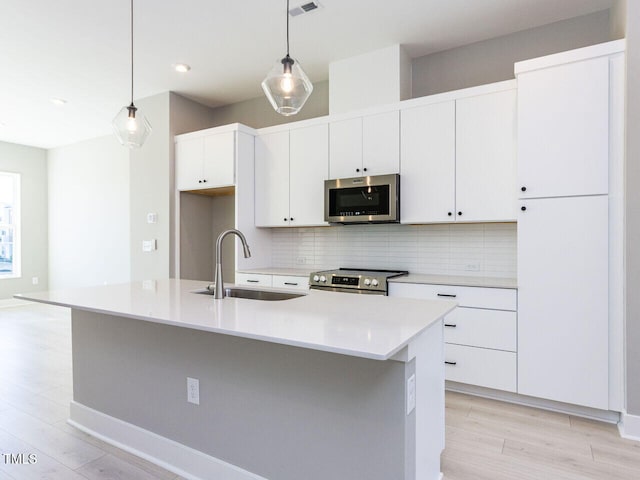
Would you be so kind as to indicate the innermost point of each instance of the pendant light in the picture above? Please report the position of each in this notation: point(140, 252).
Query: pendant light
point(287, 86)
point(130, 126)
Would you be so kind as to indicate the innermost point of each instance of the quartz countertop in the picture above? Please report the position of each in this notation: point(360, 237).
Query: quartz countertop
point(368, 326)
point(465, 281)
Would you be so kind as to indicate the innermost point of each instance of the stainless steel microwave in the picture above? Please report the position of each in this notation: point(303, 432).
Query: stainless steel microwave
point(374, 199)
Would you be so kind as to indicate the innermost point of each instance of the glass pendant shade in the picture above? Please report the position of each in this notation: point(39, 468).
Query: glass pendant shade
point(131, 127)
point(287, 86)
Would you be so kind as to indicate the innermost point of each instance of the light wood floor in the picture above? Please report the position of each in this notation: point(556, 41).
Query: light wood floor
point(485, 439)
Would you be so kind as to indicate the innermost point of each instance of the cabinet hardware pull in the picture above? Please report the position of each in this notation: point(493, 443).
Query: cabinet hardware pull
point(450, 363)
point(365, 169)
point(357, 170)
point(253, 281)
point(291, 283)
point(291, 219)
point(452, 295)
point(523, 208)
point(285, 219)
point(449, 213)
point(459, 213)
point(452, 325)
point(204, 181)
point(524, 189)
point(199, 181)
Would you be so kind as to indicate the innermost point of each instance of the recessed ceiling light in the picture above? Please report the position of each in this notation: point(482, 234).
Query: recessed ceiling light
point(181, 67)
point(58, 101)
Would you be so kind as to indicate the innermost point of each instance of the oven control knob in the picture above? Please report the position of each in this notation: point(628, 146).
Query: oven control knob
point(316, 278)
point(367, 282)
point(323, 279)
point(374, 282)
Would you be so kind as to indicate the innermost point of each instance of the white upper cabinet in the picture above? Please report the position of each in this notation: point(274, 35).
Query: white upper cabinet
point(486, 157)
point(563, 125)
point(205, 161)
point(308, 169)
point(272, 179)
point(368, 145)
point(458, 160)
point(381, 143)
point(291, 167)
point(428, 170)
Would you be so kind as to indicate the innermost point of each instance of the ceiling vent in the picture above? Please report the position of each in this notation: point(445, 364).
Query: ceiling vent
point(304, 8)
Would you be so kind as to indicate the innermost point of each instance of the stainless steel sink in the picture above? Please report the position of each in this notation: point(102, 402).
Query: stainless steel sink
point(253, 294)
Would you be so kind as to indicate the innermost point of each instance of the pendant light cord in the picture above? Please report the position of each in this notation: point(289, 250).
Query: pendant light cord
point(287, 27)
point(132, 52)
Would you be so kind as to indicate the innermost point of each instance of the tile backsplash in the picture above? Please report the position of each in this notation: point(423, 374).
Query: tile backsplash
point(479, 249)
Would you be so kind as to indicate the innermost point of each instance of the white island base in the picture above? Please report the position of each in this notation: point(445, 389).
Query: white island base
point(267, 410)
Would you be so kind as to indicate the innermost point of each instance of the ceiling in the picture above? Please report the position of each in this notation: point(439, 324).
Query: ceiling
point(78, 50)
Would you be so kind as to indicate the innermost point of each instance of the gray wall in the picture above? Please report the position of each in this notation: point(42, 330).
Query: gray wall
point(31, 164)
point(259, 113)
point(202, 219)
point(492, 60)
point(282, 412)
point(633, 208)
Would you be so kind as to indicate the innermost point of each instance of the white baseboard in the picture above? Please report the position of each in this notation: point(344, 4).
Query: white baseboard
point(168, 454)
point(570, 409)
point(629, 426)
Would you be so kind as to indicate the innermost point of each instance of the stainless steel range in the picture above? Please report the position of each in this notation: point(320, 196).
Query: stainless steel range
point(354, 280)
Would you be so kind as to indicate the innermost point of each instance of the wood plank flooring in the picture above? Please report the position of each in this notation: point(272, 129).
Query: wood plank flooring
point(485, 439)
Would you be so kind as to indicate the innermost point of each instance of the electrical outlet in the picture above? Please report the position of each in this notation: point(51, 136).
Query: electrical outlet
point(472, 267)
point(35, 280)
point(411, 393)
point(193, 390)
point(149, 245)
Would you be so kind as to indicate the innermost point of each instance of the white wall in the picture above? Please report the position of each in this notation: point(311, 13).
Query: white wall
point(89, 214)
point(31, 164)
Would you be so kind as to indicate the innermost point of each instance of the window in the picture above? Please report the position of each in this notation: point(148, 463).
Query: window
point(9, 225)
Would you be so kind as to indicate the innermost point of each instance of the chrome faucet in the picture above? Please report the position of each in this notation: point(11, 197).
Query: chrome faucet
point(219, 283)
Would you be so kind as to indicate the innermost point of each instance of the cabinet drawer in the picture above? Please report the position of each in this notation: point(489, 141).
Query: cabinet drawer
point(290, 281)
point(478, 297)
point(253, 279)
point(496, 329)
point(480, 366)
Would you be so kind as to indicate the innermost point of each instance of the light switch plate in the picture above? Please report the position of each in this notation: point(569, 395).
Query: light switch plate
point(149, 245)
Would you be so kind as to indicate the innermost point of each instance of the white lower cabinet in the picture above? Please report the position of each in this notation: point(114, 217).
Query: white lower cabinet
point(256, 279)
point(563, 280)
point(291, 281)
point(480, 335)
point(298, 282)
point(481, 366)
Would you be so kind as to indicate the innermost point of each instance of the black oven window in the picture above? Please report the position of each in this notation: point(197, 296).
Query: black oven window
point(366, 200)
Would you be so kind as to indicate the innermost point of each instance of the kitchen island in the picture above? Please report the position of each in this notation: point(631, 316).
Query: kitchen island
point(325, 385)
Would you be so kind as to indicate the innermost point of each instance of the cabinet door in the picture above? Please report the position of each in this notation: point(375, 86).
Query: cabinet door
point(189, 157)
point(381, 143)
point(427, 173)
point(486, 157)
point(272, 180)
point(219, 160)
point(308, 169)
point(345, 148)
point(563, 300)
point(563, 125)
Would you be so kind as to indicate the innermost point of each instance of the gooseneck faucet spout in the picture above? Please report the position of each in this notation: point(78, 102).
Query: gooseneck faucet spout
point(219, 282)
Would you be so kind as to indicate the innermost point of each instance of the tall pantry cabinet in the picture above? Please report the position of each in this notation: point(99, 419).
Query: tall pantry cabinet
point(569, 249)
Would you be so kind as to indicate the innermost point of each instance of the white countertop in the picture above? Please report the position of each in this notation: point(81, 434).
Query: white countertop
point(369, 326)
point(464, 281)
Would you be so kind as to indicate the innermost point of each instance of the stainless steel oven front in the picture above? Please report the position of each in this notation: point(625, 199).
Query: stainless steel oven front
point(374, 199)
